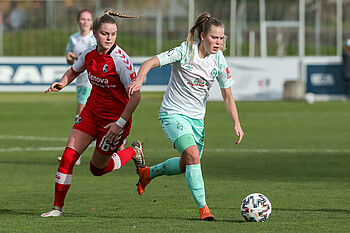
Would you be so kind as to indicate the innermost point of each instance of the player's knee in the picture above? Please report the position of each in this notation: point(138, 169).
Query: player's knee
point(96, 171)
point(68, 160)
point(191, 155)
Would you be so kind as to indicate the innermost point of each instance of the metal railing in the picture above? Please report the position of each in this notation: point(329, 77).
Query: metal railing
point(42, 27)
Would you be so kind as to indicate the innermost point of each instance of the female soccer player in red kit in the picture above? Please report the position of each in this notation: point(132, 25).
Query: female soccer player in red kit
point(106, 116)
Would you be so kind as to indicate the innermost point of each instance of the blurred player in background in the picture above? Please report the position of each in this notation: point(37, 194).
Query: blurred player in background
point(195, 66)
point(77, 43)
point(107, 114)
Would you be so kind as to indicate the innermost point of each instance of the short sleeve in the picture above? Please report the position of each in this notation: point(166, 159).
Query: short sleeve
point(124, 67)
point(69, 47)
point(224, 77)
point(80, 66)
point(172, 55)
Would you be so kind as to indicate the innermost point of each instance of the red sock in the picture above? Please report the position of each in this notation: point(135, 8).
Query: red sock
point(118, 159)
point(125, 155)
point(64, 175)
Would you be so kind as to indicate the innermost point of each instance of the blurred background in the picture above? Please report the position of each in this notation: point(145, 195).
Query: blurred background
point(254, 27)
point(276, 49)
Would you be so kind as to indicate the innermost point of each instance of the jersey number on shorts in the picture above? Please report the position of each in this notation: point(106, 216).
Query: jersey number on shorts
point(106, 146)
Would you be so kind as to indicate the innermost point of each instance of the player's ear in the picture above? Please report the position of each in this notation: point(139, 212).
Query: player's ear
point(202, 35)
point(95, 33)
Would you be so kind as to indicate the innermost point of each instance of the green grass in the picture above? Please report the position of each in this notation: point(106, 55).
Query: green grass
point(296, 154)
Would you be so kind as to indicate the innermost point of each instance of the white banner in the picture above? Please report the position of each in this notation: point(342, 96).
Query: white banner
point(257, 78)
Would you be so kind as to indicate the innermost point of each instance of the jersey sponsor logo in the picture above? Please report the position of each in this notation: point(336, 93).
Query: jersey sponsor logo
point(228, 73)
point(197, 82)
point(97, 79)
point(105, 68)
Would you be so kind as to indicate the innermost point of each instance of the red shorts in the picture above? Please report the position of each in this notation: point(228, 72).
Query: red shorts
point(94, 126)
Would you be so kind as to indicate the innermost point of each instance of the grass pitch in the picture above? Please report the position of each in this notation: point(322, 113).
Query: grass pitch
point(298, 155)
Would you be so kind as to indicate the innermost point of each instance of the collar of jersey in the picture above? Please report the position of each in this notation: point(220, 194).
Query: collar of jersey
point(110, 50)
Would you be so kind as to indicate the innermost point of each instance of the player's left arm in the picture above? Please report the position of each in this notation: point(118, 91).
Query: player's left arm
point(116, 127)
point(232, 111)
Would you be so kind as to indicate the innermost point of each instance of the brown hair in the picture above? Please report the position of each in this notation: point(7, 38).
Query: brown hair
point(203, 24)
point(108, 18)
point(82, 11)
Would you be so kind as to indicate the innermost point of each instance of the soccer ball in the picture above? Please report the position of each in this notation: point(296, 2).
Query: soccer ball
point(256, 207)
point(310, 98)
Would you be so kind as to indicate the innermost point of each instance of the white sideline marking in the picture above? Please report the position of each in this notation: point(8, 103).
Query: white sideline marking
point(279, 150)
point(33, 138)
point(216, 150)
point(19, 149)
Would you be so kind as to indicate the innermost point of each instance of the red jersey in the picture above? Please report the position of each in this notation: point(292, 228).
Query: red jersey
point(109, 75)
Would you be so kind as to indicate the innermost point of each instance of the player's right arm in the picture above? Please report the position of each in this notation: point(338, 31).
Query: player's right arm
point(144, 69)
point(66, 79)
point(164, 58)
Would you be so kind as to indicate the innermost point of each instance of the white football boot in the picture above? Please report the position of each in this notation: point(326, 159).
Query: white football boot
point(53, 213)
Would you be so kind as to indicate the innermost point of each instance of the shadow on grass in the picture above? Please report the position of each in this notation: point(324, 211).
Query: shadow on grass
point(176, 218)
point(15, 212)
point(316, 210)
point(35, 213)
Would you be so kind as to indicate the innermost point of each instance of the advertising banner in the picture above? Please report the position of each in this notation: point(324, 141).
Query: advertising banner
point(255, 78)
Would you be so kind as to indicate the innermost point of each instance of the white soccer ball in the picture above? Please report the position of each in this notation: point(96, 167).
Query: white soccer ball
point(309, 98)
point(256, 207)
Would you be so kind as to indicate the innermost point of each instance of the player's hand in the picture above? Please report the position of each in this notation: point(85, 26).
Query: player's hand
point(113, 133)
point(134, 86)
point(239, 133)
point(56, 87)
point(71, 58)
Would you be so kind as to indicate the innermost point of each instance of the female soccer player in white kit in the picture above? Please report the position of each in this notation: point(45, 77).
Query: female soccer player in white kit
point(195, 67)
point(77, 43)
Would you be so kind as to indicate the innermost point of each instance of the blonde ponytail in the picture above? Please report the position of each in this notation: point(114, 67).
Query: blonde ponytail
point(113, 13)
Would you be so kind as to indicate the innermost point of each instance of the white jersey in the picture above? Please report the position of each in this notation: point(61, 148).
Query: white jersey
point(191, 80)
point(77, 44)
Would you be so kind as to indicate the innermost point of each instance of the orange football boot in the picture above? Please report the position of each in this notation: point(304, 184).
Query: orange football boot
point(144, 179)
point(205, 214)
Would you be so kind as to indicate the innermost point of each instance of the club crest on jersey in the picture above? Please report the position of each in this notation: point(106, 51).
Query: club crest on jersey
point(105, 68)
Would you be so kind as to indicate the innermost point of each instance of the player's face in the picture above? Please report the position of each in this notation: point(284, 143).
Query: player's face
point(213, 40)
point(85, 21)
point(106, 36)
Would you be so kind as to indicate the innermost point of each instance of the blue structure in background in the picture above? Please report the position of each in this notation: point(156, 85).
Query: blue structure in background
point(325, 79)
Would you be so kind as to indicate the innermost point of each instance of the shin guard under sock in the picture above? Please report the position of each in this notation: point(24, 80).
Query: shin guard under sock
point(64, 175)
point(195, 183)
point(169, 167)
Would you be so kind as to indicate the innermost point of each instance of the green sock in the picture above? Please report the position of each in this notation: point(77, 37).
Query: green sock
point(169, 167)
point(195, 183)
